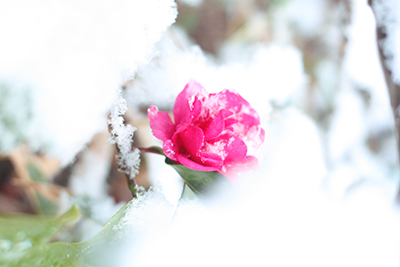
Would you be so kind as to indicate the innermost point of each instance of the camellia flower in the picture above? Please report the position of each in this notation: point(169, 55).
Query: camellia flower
point(210, 132)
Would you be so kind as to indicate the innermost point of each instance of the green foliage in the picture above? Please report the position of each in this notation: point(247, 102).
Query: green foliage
point(200, 182)
point(46, 206)
point(23, 241)
point(57, 254)
point(35, 173)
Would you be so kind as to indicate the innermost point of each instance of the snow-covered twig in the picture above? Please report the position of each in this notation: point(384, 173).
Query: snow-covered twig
point(122, 136)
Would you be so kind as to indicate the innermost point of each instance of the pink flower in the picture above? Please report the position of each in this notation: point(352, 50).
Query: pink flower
point(211, 132)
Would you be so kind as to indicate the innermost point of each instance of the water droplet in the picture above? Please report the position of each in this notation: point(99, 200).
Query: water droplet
point(5, 245)
point(23, 245)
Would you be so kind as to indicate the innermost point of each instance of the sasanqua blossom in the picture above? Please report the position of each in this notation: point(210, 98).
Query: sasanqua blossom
point(210, 132)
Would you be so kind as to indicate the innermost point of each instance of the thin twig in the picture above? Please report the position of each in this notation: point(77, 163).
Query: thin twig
point(131, 182)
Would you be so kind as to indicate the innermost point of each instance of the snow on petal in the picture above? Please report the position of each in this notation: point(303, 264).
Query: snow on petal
point(210, 129)
point(236, 150)
point(216, 127)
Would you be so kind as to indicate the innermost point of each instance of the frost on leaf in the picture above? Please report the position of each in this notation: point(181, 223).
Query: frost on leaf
point(122, 136)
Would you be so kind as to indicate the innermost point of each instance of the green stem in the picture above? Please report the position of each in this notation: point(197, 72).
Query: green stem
point(179, 200)
point(132, 187)
point(152, 149)
point(183, 191)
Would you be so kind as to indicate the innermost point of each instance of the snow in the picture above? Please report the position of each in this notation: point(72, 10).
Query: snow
point(73, 55)
point(148, 214)
point(192, 3)
point(362, 58)
point(148, 209)
point(321, 196)
point(122, 136)
point(356, 119)
point(306, 16)
point(259, 233)
point(261, 70)
point(280, 215)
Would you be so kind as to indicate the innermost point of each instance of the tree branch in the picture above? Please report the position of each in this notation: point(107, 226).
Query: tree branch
point(393, 88)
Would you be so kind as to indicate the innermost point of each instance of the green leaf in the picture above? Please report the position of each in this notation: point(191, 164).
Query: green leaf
point(200, 182)
point(46, 206)
point(35, 173)
point(22, 238)
point(57, 254)
point(36, 229)
point(188, 193)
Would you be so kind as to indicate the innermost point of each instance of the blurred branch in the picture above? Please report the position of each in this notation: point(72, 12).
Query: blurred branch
point(393, 88)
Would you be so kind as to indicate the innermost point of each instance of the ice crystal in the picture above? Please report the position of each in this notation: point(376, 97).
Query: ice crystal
point(122, 136)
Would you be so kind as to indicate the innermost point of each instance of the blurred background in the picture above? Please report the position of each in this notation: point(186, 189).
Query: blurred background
point(311, 68)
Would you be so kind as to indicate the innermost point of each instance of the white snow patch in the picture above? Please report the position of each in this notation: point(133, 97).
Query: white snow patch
point(281, 216)
point(193, 3)
point(302, 16)
point(73, 55)
point(362, 59)
point(260, 75)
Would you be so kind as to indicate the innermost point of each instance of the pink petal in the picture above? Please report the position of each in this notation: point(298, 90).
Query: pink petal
point(234, 100)
point(256, 136)
point(194, 165)
point(227, 100)
point(190, 115)
point(192, 139)
point(233, 171)
point(236, 150)
point(229, 122)
point(261, 136)
point(250, 120)
point(170, 150)
point(215, 128)
point(211, 159)
point(182, 109)
point(161, 124)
